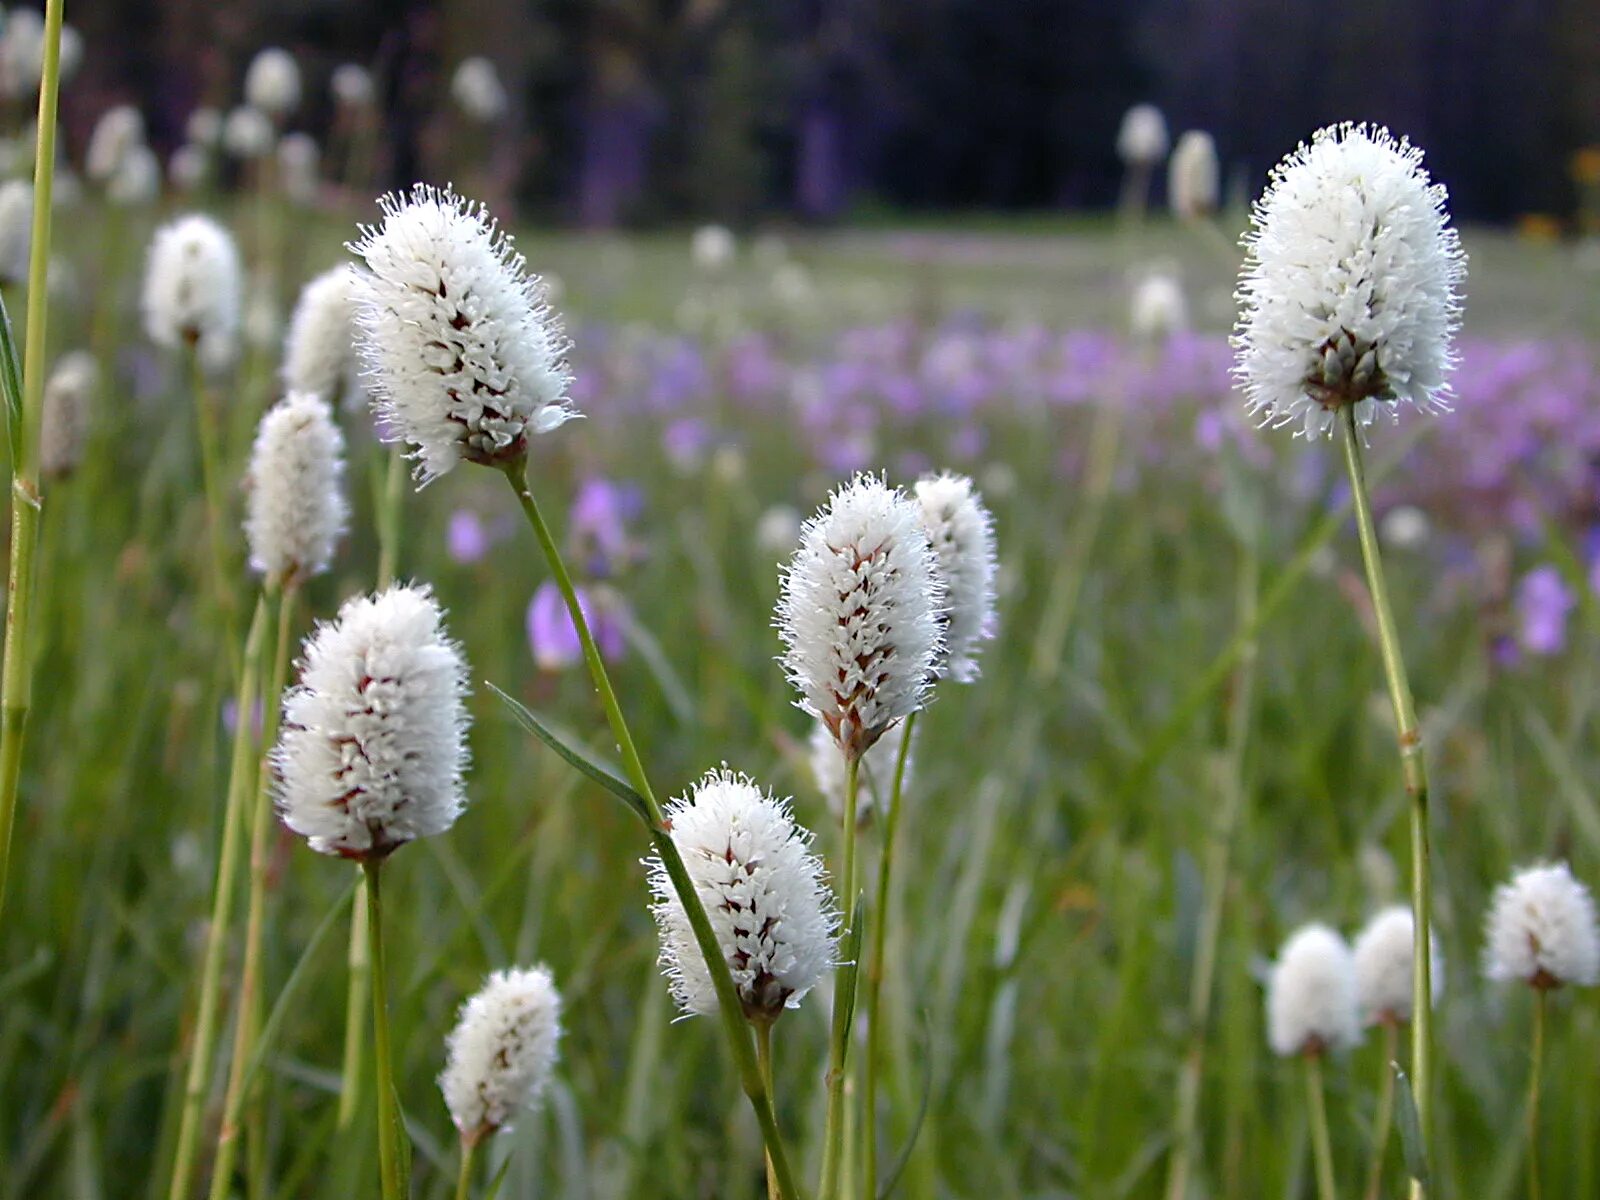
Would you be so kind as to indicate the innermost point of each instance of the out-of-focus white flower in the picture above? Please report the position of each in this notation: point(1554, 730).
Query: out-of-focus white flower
point(961, 532)
point(296, 511)
point(874, 775)
point(204, 127)
point(71, 52)
point(138, 179)
point(21, 53)
point(193, 289)
point(778, 529)
point(247, 133)
point(374, 745)
point(263, 325)
point(465, 358)
point(1159, 308)
point(118, 131)
point(1142, 138)
point(298, 161)
point(272, 82)
point(351, 85)
point(860, 611)
point(319, 352)
point(1541, 930)
point(763, 890)
point(477, 89)
point(1311, 994)
point(1350, 289)
point(1193, 177)
point(1384, 954)
point(16, 229)
point(713, 247)
point(64, 429)
point(791, 285)
point(502, 1052)
point(1405, 527)
point(188, 167)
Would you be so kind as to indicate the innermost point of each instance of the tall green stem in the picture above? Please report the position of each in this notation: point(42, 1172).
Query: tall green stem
point(1321, 1146)
point(764, 1060)
point(359, 964)
point(246, 1005)
point(1535, 1070)
point(388, 517)
point(1414, 772)
point(469, 1152)
point(240, 779)
point(1218, 855)
point(843, 1001)
point(389, 1129)
point(733, 1022)
point(216, 501)
point(880, 937)
point(1385, 1116)
point(16, 673)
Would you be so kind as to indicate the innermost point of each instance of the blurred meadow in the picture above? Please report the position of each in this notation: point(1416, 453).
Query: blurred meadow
point(1186, 658)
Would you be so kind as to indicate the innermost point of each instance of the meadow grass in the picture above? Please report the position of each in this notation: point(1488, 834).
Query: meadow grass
point(1049, 872)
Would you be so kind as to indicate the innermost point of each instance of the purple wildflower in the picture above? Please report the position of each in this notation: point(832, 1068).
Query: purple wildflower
point(1544, 602)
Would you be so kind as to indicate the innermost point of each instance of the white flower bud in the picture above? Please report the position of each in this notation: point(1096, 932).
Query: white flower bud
point(296, 511)
point(961, 532)
point(298, 160)
point(351, 85)
point(1159, 309)
point(477, 89)
point(319, 352)
point(1541, 930)
point(204, 127)
point(1193, 177)
point(500, 1056)
point(272, 82)
point(247, 133)
point(1383, 958)
point(712, 248)
point(1311, 995)
point(117, 131)
point(137, 181)
point(64, 428)
point(193, 289)
point(16, 229)
point(188, 167)
point(1142, 138)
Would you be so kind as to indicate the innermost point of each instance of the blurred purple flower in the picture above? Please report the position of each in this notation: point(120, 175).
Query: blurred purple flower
point(1544, 602)
point(554, 639)
point(230, 716)
point(467, 539)
point(599, 524)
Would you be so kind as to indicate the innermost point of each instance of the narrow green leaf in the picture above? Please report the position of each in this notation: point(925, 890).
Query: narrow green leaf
point(10, 384)
point(849, 970)
point(499, 1178)
point(575, 756)
point(1569, 776)
point(1410, 1126)
point(402, 1140)
point(903, 1159)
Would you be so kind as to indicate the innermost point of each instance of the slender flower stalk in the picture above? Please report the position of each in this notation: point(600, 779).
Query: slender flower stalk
point(16, 672)
point(840, 1031)
point(389, 1119)
point(1321, 1145)
point(1535, 1071)
point(1384, 1118)
point(240, 779)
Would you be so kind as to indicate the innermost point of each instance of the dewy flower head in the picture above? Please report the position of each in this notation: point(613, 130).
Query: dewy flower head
point(319, 349)
point(193, 289)
point(500, 1056)
point(463, 354)
point(962, 534)
point(1311, 995)
point(763, 890)
point(875, 775)
point(1542, 931)
point(860, 611)
point(272, 83)
point(297, 509)
point(1350, 289)
point(374, 736)
point(1383, 964)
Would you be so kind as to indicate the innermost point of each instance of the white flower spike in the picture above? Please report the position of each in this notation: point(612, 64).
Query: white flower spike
point(465, 358)
point(193, 289)
point(373, 746)
point(500, 1056)
point(272, 83)
point(962, 534)
point(1383, 964)
point(875, 776)
point(64, 431)
point(1193, 176)
point(1542, 931)
point(763, 890)
point(1311, 995)
point(319, 353)
point(296, 509)
point(1350, 289)
point(860, 613)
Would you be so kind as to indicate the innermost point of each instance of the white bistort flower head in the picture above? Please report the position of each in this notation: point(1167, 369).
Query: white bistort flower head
point(16, 229)
point(874, 776)
point(860, 612)
point(351, 85)
point(962, 534)
point(117, 131)
point(137, 181)
point(1158, 309)
point(1383, 964)
point(298, 162)
point(463, 355)
point(476, 87)
point(272, 82)
point(296, 511)
point(319, 352)
point(193, 289)
point(21, 52)
point(713, 247)
point(500, 1056)
point(1311, 995)
point(64, 428)
point(247, 133)
point(1350, 289)
point(204, 127)
point(188, 167)
point(763, 889)
point(1193, 177)
point(374, 746)
point(1542, 931)
point(1142, 138)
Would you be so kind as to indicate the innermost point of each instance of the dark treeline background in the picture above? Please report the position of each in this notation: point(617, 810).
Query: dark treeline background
point(638, 111)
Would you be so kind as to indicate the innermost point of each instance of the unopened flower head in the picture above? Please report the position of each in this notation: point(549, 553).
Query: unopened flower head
point(860, 613)
point(1350, 289)
point(374, 735)
point(297, 511)
point(500, 1056)
point(247, 133)
point(137, 181)
point(16, 229)
point(193, 289)
point(1311, 995)
point(204, 127)
point(476, 87)
point(874, 775)
point(117, 131)
point(1384, 954)
point(1142, 138)
point(352, 85)
point(64, 430)
point(272, 82)
point(961, 532)
point(188, 167)
point(319, 352)
point(1193, 185)
point(763, 890)
point(465, 358)
point(1542, 931)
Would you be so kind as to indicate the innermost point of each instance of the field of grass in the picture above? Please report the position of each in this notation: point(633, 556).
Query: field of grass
point(1190, 637)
